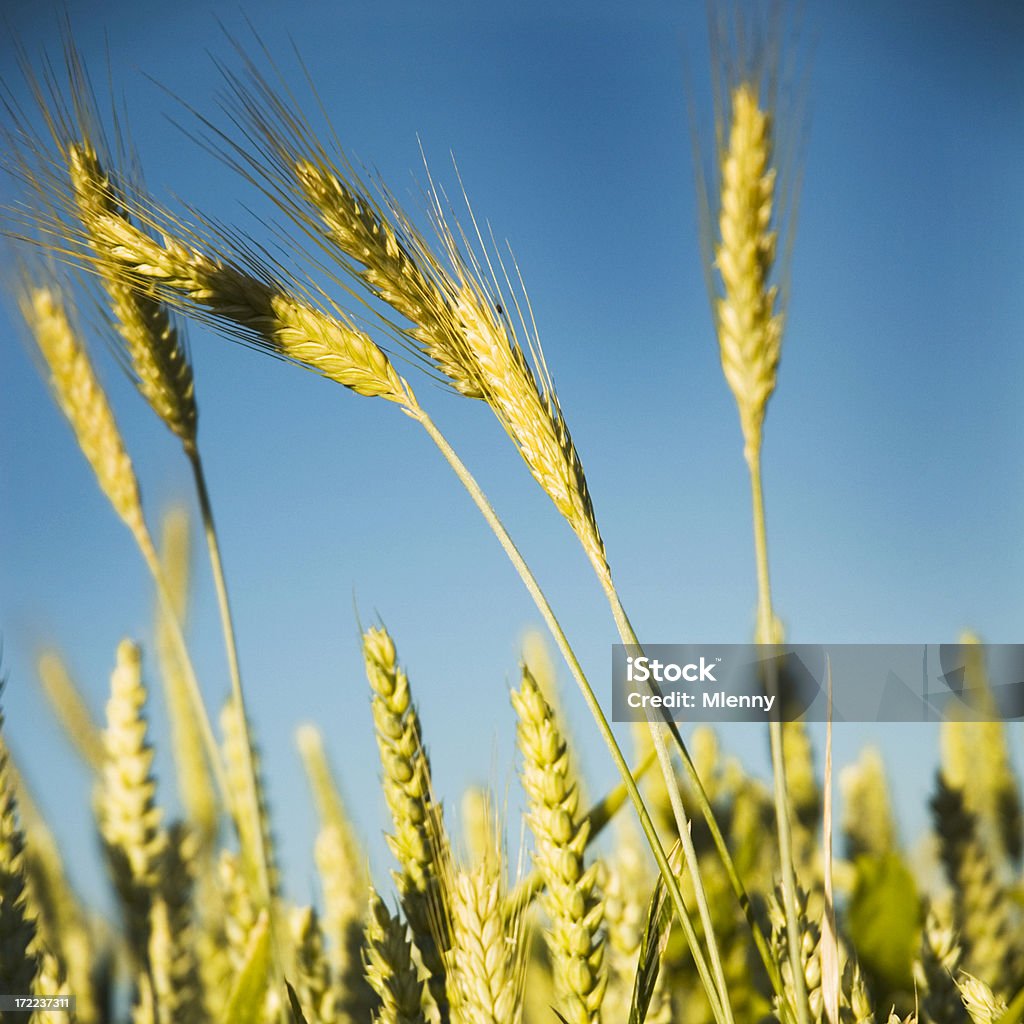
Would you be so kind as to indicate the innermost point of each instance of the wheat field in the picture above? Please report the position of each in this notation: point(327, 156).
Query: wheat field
point(283, 738)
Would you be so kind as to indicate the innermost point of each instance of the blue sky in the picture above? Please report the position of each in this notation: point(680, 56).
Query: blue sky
point(894, 442)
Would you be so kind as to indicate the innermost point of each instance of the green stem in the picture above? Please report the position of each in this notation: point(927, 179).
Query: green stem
point(231, 647)
point(766, 634)
point(480, 500)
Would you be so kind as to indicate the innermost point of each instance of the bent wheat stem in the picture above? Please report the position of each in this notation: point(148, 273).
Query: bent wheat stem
point(414, 410)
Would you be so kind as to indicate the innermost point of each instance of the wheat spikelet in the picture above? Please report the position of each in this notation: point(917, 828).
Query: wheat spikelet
point(158, 359)
point(390, 969)
point(868, 825)
point(418, 841)
point(312, 973)
point(982, 1006)
point(128, 815)
point(198, 795)
point(82, 400)
point(749, 326)
point(67, 702)
point(571, 899)
point(238, 786)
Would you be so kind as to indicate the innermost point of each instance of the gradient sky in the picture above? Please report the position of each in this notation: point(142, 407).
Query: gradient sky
point(894, 443)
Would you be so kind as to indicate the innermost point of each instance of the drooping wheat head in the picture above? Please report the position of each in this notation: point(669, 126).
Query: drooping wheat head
point(456, 313)
point(156, 353)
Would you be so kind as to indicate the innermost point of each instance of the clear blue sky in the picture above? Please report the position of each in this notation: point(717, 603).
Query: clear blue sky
point(894, 448)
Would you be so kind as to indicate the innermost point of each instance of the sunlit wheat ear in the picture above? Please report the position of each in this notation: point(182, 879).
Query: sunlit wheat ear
point(746, 315)
point(456, 312)
point(571, 898)
point(252, 305)
point(485, 973)
point(390, 968)
point(418, 842)
point(129, 818)
point(156, 354)
point(17, 930)
point(81, 398)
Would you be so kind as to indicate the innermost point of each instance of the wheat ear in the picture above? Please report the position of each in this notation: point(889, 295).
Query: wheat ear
point(129, 817)
point(485, 972)
point(84, 403)
point(157, 357)
point(390, 968)
point(263, 311)
point(571, 898)
point(418, 841)
point(81, 398)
